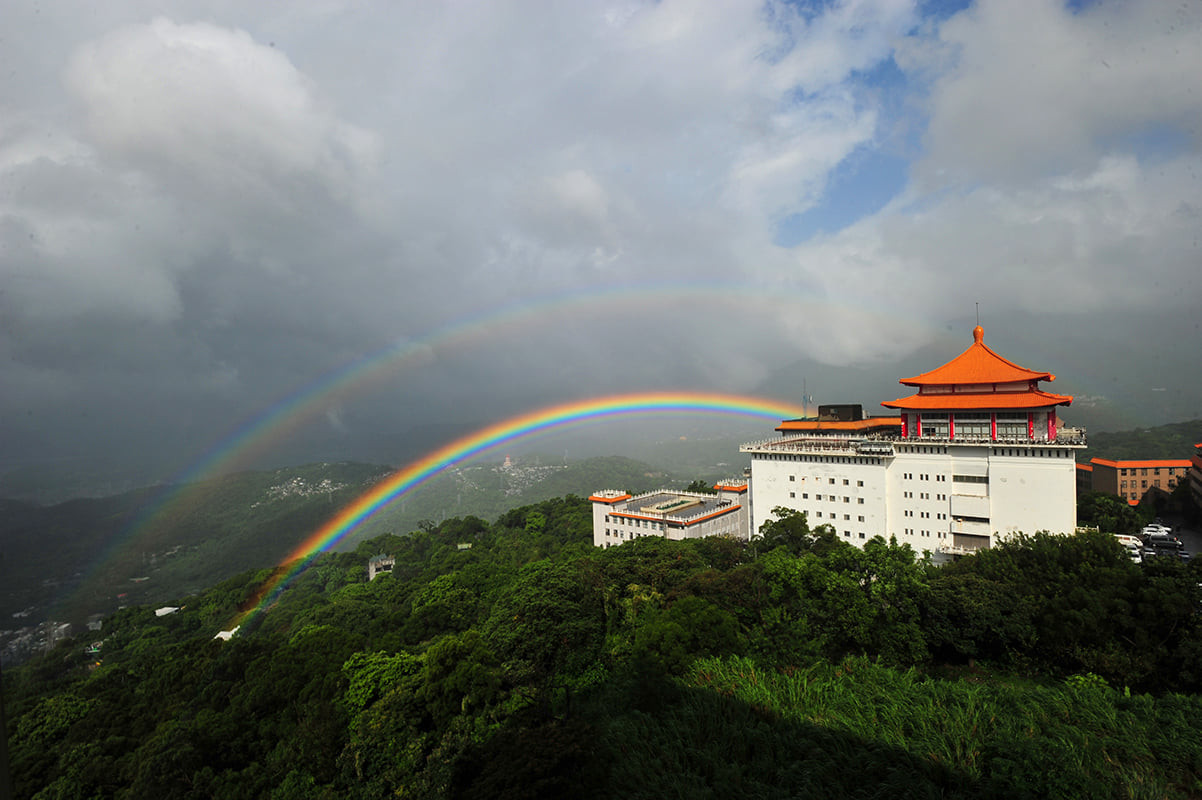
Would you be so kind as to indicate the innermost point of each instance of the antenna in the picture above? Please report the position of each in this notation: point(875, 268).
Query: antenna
point(978, 305)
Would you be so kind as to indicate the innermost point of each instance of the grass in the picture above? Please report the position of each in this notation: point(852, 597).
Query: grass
point(857, 729)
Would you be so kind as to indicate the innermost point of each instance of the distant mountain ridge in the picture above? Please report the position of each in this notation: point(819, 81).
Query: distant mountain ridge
point(1175, 440)
point(93, 555)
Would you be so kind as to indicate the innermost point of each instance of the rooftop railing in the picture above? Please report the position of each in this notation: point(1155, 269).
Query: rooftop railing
point(883, 444)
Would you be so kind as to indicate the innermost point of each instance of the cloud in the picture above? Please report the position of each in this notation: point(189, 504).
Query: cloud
point(1036, 87)
point(220, 206)
point(216, 108)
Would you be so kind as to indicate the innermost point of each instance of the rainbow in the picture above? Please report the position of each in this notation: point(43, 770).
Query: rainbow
point(491, 437)
point(252, 437)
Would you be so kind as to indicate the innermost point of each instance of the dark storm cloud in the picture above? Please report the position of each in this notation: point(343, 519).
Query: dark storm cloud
point(205, 211)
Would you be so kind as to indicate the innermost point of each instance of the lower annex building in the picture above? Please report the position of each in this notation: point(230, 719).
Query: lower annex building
point(619, 517)
point(977, 454)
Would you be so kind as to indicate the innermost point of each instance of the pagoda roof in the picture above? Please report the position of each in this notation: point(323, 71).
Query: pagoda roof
point(978, 364)
point(983, 401)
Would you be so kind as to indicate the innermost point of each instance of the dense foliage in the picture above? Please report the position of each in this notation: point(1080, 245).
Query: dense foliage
point(532, 664)
point(1175, 440)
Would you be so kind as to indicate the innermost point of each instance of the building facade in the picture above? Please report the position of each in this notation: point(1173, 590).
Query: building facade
point(1195, 476)
point(619, 517)
point(976, 454)
point(1131, 480)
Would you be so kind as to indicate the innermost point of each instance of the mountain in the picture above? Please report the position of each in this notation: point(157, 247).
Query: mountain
point(93, 555)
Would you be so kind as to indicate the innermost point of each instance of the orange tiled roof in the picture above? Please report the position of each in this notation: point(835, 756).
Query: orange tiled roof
point(977, 364)
point(980, 401)
point(1152, 462)
point(1085, 467)
point(839, 425)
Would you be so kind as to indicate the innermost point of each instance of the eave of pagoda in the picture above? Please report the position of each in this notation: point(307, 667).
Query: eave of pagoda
point(979, 401)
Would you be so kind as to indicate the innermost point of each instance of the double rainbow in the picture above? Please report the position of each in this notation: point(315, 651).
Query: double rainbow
point(493, 436)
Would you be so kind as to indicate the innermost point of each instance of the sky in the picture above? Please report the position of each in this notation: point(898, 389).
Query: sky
point(210, 209)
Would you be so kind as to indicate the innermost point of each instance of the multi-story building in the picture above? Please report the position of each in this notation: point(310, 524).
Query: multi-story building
point(1084, 478)
point(1195, 476)
point(1131, 480)
point(976, 454)
point(619, 517)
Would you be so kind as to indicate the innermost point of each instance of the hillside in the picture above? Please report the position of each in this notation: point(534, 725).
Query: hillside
point(89, 556)
point(1175, 440)
point(533, 665)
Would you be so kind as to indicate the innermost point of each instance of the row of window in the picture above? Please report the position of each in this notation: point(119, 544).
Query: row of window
point(1033, 452)
point(635, 522)
point(1172, 484)
point(923, 476)
point(846, 482)
point(833, 515)
point(830, 497)
point(815, 459)
point(1144, 470)
point(938, 534)
point(620, 534)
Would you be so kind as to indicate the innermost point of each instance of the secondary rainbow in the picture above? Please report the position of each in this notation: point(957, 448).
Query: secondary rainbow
point(493, 436)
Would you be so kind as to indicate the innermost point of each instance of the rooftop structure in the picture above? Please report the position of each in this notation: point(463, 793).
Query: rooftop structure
point(379, 565)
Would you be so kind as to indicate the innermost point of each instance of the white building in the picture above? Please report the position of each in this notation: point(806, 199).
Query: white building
point(977, 454)
point(619, 517)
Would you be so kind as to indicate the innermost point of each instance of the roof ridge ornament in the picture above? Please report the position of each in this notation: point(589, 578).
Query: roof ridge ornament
point(978, 335)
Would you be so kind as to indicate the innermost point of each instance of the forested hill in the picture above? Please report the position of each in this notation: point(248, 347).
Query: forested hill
point(533, 665)
point(1176, 440)
point(92, 555)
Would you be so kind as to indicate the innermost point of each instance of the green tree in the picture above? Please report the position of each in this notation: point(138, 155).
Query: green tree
point(791, 530)
point(1109, 513)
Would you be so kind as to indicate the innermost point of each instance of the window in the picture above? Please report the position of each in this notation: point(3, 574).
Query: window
point(847, 516)
point(833, 480)
point(845, 481)
point(860, 518)
point(934, 426)
point(972, 426)
point(792, 477)
point(792, 494)
point(860, 500)
point(859, 483)
point(846, 499)
point(805, 495)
